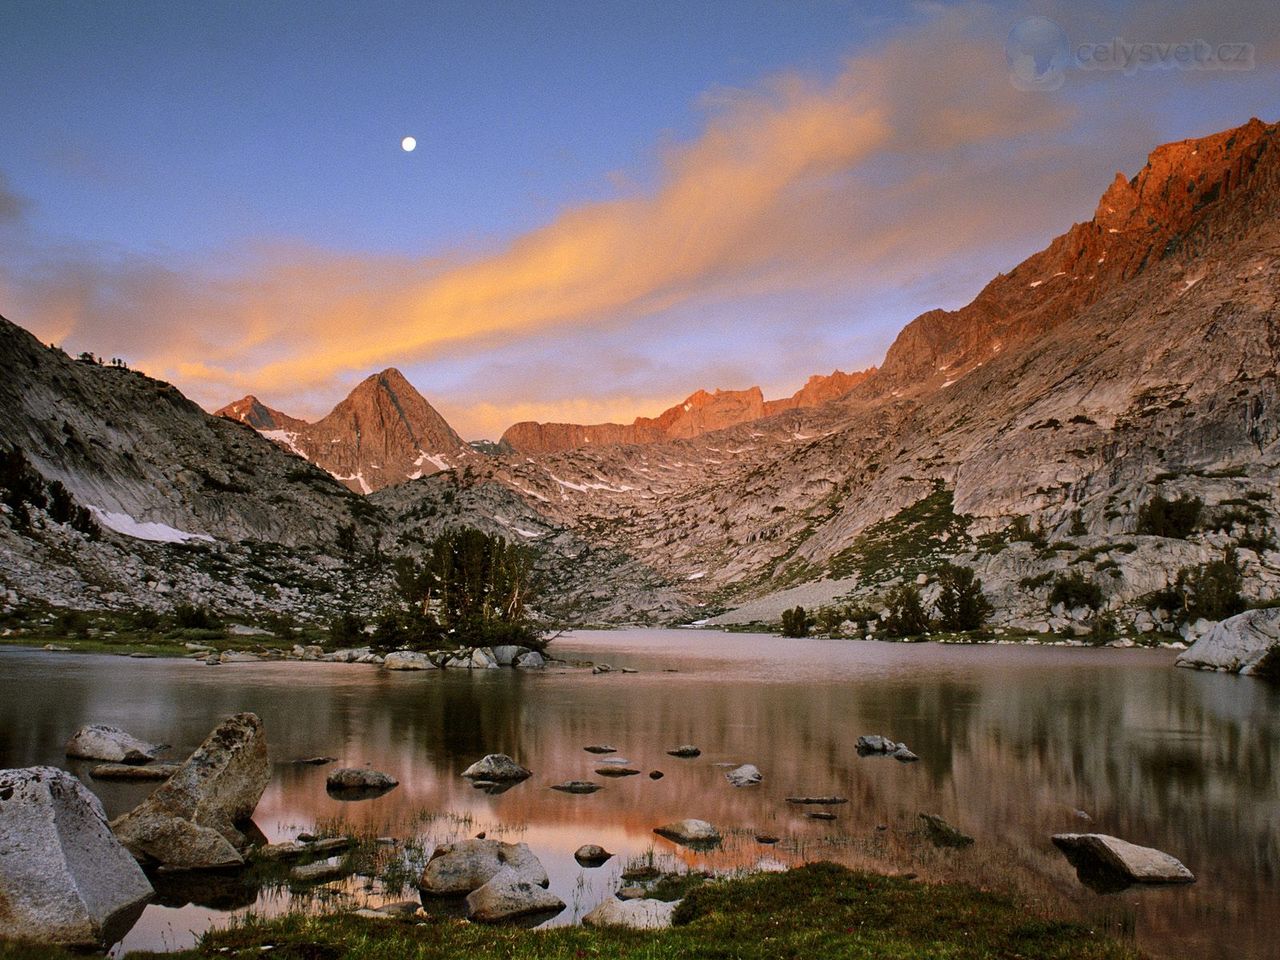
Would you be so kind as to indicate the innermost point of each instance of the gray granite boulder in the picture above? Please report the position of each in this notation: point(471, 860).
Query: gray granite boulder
point(1236, 645)
point(192, 820)
point(64, 877)
point(506, 895)
point(691, 833)
point(466, 865)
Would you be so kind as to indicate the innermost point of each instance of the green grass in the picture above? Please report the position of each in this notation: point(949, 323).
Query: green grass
point(820, 910)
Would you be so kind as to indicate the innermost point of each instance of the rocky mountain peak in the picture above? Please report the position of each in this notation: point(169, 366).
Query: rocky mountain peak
point(383, 432)
point(256, 414)
point(1186, 191)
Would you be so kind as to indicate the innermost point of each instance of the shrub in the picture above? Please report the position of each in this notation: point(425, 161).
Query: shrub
point(795, 622)
point(906, 613)
point(962, 604)
point(346, 630)
point(1175, 519)
point(1075, 590)
point(1211, 592)
point(188, 616)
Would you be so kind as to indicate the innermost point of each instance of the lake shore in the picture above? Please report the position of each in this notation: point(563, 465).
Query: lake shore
point(819, 910)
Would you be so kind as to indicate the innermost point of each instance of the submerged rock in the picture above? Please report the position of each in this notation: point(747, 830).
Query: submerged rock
point(576, 786)
point(130, 771)
point(943, 834)
point(466, 865)
point(690, 832)
point(1108, 864)
point(192, 820)
point(64, 877)
point(359, 783)
point(497, 768)
point(686, 751)
point(506, 895)
point(97, 741)
point(600, 748)
point(632, 914)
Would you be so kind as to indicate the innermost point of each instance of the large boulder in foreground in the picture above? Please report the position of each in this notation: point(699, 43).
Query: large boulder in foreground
point(1238, 644)
point(466, 865)
point(98, 741)
point(1107, 863)
point(64, 877)
point(632, 914)
point(192, 820)
point(497, 768)
point(506, 896)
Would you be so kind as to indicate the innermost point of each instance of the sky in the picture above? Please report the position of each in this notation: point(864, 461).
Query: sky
point(611, 204)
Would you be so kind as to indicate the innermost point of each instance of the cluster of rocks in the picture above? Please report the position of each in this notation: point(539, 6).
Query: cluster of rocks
point(1248, 643)
point(473, 658)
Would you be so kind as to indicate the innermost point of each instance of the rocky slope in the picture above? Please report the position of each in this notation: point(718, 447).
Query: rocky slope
point(1136, 354)
point(701, 412)
point(384, 432)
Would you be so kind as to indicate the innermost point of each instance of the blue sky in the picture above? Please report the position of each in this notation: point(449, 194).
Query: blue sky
point(611, 204)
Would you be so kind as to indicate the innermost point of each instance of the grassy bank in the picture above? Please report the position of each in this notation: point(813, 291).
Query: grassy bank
point(820, 910)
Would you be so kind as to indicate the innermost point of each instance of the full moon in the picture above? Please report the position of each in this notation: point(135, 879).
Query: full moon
point(407, 144)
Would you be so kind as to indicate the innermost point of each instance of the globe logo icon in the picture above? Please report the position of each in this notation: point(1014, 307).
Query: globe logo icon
point(1038, 54)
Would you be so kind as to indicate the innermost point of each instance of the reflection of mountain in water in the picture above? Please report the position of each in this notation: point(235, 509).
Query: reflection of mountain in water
point(1012, 742)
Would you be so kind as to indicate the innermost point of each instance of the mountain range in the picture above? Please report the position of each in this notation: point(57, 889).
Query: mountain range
point(1135, 355)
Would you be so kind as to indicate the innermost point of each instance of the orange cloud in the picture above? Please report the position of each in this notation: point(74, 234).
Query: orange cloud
point(787, 186)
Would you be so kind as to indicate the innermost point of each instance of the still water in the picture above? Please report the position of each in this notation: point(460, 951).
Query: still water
point(1014, 743)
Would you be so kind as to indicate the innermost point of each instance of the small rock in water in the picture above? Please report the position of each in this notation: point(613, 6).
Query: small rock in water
point(496, 767)
point(576, 786)
point(359, 783)
point(630, 670)
point(591, 855)
point(689, 832)
point(943, 834)
point(685, 751)
point(620, 761)
point(820, 815)
point(818, 801)
point(98, 741)
point(1108, 864)
point(316, 761)
point(616, 771)
point(744, 776)
point(766, 838)
point(656, 774)
point(318, 872)
point(600, 748)
point(602, 668)
point(873, 745)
